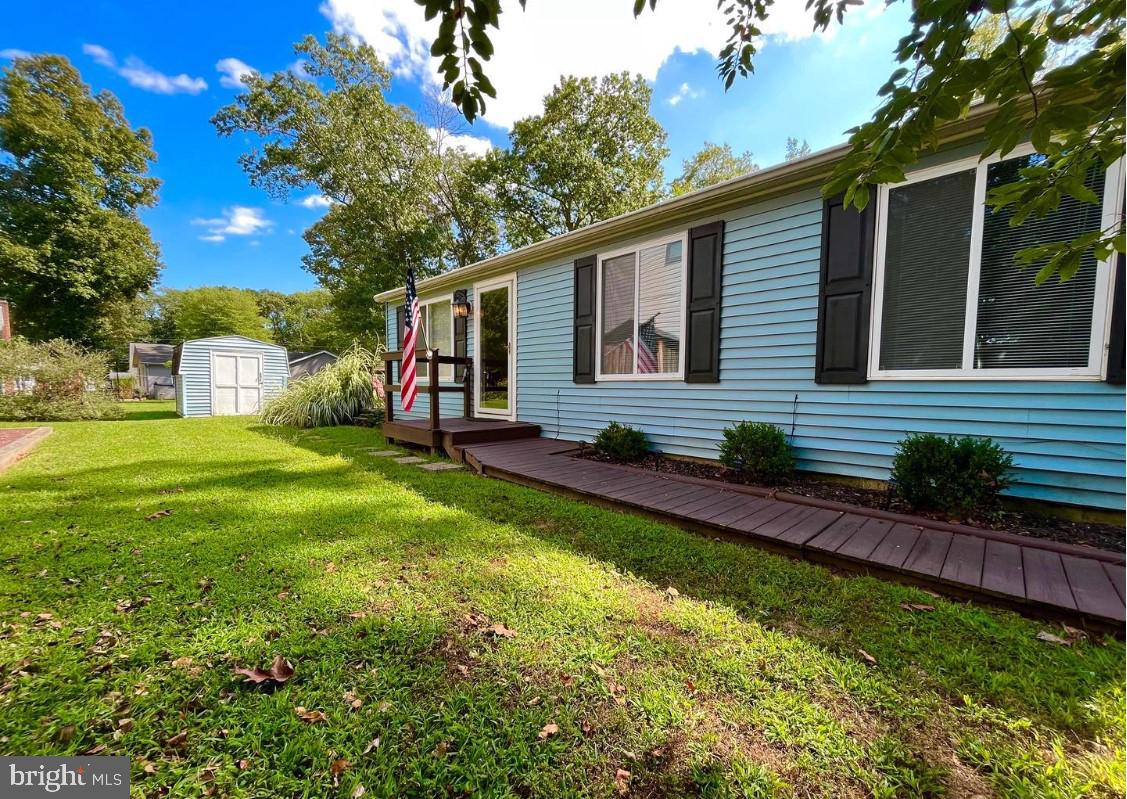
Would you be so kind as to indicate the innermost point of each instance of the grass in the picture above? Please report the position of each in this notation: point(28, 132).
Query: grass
point(382, 584)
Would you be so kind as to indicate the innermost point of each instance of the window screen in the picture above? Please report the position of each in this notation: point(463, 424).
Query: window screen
point(927, 257)
point(1021, 324)
point(659, 308)
point(617, 354)
point(441, 331)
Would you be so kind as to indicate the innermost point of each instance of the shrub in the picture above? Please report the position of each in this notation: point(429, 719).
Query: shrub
point(123, 387)
point(621, 442)
point(54, 381)
point(336, 394)
point(758, 452)
point(958, 476)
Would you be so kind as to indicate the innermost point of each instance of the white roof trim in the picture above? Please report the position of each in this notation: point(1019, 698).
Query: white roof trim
point(310, 355)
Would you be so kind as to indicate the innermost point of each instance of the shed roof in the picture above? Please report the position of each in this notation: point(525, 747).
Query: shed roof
point(143, 352)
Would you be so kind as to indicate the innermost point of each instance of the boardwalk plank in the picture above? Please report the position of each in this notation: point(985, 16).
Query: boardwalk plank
point(896, 546)
point(686, 495)
point(861, 544)
point(693, 510)
point(809, 527)
point(784, 521)
point(760, 516)
point(1045, 580)
point(837, 533)
point(1092, 588)
point(964, 560)
point(1002, 572)
point(1117, 573)
point(930, 551)
point(734, 509)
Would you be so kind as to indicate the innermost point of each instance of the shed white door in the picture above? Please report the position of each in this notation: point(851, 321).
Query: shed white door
point(236, 383)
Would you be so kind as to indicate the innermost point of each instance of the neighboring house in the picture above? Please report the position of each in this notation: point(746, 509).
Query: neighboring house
point(227, 375)
point(756, 299)
point(150, 366)
point(5, 320)
point(303, 364)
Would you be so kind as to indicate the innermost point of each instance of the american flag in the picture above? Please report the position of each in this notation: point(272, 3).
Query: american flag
point(408, 388)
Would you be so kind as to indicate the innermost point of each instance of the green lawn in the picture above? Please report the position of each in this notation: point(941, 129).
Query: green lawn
point(382, 584)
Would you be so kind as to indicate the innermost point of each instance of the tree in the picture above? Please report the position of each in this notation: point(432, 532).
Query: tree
point(211, 311)
point(304, 320)
point(336, 132)
point(594, 152)
point(73, 176)
point(1056, 76)
point(121, 323)
point(713, 164)
point(795, 149)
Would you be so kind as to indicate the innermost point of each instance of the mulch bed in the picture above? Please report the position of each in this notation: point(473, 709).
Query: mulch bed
point(1092, 534)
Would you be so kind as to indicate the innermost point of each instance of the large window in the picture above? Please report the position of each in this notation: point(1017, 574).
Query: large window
point(951, 302)
point(436, 328)
point(641, 311)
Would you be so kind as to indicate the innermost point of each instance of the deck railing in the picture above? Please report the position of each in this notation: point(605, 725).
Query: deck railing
point(433, 386)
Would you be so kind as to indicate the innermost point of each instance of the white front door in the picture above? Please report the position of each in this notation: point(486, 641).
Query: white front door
point(236, 383)
point(495, 348)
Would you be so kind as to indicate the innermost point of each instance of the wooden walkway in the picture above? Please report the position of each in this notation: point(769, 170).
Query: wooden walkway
point(1035, 577)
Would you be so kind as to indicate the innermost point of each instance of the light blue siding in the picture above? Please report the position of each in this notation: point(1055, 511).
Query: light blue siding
point(1067, 437)
point(451, 403)
point(193, 380)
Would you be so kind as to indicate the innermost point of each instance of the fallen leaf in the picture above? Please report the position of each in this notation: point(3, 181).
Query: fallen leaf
point(148, 767)
point(158, 514)
point(915, 606)
point(330, 567)
point(338, 767)
point(566, 679)
point(66, 733)
point(534, 701)
point(244, 765)
point(207, 775)
point(279, 672)
point(182, 662)
point(310, 716)
point(358, 791)
point(872, 661)
point(373, 745)
point(177, 740)
point(585, 727)
point(125, 725)
point(353, 700)
point(1052, 639)
point(690, 686)
point(501, 631)
point(549, 729)
point(622, 781)
point(95, 750)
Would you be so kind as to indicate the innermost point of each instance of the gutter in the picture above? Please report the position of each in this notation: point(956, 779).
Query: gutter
point(709, 201)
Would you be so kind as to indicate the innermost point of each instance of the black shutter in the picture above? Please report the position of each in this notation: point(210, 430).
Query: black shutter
point(1115, 347)
point(845, 291)
point(702, 338)
point(583, 322)
point(459, 346)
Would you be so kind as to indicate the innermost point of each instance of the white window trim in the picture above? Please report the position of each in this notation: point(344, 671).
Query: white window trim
point(1099, 336)
point(636, 247)
point(425, 316)
point(509, 280)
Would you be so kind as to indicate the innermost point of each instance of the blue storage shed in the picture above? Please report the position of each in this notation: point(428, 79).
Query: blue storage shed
point(228, 375)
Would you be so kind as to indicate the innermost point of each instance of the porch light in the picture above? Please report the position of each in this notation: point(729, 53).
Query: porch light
point(461, 305)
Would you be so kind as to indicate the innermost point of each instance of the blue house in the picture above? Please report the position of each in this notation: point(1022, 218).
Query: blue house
point(757, 299)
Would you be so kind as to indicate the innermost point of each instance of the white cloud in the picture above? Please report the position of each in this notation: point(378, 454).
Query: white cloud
point(475, 145)
point(142, 76)
point(233, 70)
point(12, 53)
point(238, 220)
point(684, 92)
point(315, 201)
point(533, 47)
point(100, 55)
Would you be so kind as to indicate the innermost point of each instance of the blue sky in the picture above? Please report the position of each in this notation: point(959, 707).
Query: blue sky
point(214, 228)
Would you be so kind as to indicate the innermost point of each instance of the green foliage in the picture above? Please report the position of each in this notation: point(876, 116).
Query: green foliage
point(335, 394)
point(304, 320)
point(621, 442)
point(566, 167)
point(796, 149)
point(757, 451)
point(714, 163)
point(73, 176)
point(396, 199)
point(210, 311)
point(123, 387)
point(121, 322)
point(959, 476)
point(54, 380)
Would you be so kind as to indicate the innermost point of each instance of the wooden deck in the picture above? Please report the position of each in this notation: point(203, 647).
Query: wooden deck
point(456, 433)
point(1038, 578)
